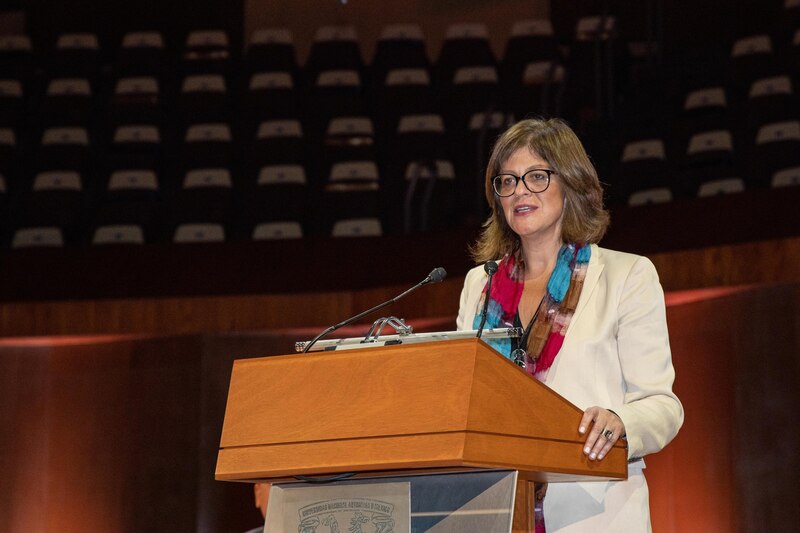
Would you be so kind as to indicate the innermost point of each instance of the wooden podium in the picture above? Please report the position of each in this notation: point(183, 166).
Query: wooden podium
point(428, 407)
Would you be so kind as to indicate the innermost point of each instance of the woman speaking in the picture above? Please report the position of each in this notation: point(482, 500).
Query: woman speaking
point(594, 320)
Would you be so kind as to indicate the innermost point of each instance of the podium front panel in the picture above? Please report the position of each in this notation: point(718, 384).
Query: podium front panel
point(466, 502)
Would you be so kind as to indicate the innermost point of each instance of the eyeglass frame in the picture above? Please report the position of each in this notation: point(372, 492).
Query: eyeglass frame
point(547, 171)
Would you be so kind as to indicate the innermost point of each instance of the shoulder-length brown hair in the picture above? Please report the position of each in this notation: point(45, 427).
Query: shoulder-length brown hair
point(585, 219)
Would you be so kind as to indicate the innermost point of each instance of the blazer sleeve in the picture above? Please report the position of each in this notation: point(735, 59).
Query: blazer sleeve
point(651, 412)
point(470, 293)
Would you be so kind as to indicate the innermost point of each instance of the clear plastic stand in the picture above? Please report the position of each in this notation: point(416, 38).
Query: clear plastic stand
point(375, 339)
point(480, 501)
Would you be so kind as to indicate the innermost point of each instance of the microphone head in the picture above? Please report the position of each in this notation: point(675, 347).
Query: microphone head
point(437, 275)
point(490, 267)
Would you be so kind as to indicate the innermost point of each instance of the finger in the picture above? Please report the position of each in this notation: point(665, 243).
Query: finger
point(603, 444)
point(587, 419)
point(606, 449)
point(616, 427)
point(602, 420)
point(614, 431)
point(593, 439)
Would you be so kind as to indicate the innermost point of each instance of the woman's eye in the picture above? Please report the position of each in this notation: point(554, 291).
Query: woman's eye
point(509, 181)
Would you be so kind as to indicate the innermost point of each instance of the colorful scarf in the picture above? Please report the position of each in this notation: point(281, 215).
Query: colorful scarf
point(547, 332)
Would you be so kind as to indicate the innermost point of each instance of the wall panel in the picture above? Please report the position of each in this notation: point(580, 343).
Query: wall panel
point(118, 434)
point(761, 262)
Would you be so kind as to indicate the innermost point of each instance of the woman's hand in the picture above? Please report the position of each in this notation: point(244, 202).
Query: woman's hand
point(606, 429)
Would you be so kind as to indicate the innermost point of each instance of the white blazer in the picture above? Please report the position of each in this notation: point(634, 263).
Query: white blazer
point(615, 355)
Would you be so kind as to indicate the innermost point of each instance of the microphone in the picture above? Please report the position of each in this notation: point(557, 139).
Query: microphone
point(436, 275)
point(490, 267)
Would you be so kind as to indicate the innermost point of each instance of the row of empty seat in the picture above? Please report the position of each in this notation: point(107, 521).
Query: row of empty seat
point(125, 146)
point(243, 142)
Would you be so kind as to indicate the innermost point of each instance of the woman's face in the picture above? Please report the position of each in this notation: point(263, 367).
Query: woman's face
point(535, 217)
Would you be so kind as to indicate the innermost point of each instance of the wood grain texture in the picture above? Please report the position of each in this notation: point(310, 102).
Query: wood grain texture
point(524, 500)
point(399, 407)
point(775, 261)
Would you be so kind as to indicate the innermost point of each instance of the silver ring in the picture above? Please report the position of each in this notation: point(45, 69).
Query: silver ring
point(608, 434)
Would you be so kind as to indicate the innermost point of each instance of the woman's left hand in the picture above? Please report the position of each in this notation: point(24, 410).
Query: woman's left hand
point(606, 429)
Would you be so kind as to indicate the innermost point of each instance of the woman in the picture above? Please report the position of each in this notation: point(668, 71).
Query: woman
point(594, 319)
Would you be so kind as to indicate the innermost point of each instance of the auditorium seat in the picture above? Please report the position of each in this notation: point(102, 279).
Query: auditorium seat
point(725, 182)
point(776, 149)
point(430, 197)
point(643, 174)
point(207, 52)
point(207, 145)
point(11, 159)
point(134, 146)
point(204, 199)
point(336, 93)
point(269, 95)
point(203, 98)
point(531, 41)
point(477, 142)
point(132, 184)
point(787, 23)
point(464, 45)
point(709, 156)
point(198, 233)
point(703, 109)
point(55, 198)
point(346, 139)
point(335, 48)
point(206, 195)
point(64, 148)
point(787, 177)
point(76, 55)
point(419, 138)
point(271, 50)
point(13, 103)
point(275, 142)
point(792, 57)
point(142, 54)
point(280, 195)
point(595, 57)
point(473, 89)
point(417, 166)
point(769, 100)
point(399, 47)
point(118, 234)
point(67, 102)
point(352, 191)
point(135, 100)
point(38, 237)
point(357, 227)
point(751, 59)
point(403, 91)
point(277, 231)
point(538, 91)
point(132, 198)
point(16, 57)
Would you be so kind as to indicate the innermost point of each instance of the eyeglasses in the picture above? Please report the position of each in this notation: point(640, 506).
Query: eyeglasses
point(535, 180)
